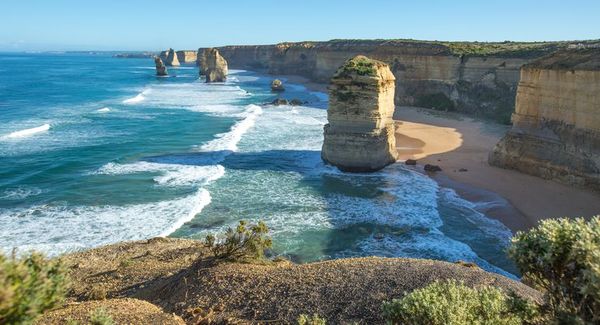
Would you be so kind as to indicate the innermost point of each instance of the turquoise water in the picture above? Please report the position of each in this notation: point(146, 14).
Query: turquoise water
point(96, 150)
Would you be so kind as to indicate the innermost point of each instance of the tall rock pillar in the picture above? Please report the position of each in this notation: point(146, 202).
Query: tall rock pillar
point(172, 59)
point(214, 66)
point(360, 134)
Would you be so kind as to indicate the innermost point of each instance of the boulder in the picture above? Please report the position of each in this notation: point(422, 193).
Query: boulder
point(161, 69)
point(215, 66)
point(296, 102)
point(277, 85)
point(172, 60)
point(410, 162)
point(360, 134)
point(280, 101)
point(432, 168)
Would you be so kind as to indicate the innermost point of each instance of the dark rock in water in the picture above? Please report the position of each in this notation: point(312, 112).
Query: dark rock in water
point(410, 162)
point(462, 170)
point(277, 85)
point(432, 168)
point(296, 102)
point(161, 69)
point(280, 101)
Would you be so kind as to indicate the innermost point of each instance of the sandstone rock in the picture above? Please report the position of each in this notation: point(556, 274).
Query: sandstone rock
point(277, 85)
point(556, 125)
point(187, 56)
point(216, 66)
point(161, 69)
point(172, 58)
point(432, 168)
point(201, 61)
point(360, 134)
point(410, 162)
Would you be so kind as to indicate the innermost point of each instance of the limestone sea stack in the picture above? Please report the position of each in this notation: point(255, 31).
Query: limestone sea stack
point(360, 134)
point(277, 85)
point(201, 61)
point(161, 69)
point(215, 66)
point(556, 125)
point(172, 59)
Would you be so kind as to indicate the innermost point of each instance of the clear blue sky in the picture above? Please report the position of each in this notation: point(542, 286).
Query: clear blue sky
point(189, 24)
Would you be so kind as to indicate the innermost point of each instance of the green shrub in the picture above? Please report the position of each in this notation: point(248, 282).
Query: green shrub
point(101, 317)
point(311, 320)
point(360, 65)
point(562, 258)
point(246, 242)
point(453, 303)
point(29, 285)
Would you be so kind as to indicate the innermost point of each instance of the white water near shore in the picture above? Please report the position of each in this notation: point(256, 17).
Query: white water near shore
point(28, 132)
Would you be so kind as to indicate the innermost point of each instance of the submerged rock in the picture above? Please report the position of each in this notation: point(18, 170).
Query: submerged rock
point(296, 102)
point(360, 134)
point(280, 101)
point(172, 58)
point(161, 69)
point(410, 162)
point(215, 66)
point(277, 85)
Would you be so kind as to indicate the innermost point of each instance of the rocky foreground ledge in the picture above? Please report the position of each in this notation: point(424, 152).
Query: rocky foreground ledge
point(133, 281)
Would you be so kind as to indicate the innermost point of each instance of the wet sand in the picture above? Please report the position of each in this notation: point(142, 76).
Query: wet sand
point(460, 146)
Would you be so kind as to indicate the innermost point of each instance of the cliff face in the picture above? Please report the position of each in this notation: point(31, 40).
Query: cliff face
point(187, 57)
point(556, 125)
point(360, 134)
point(429, 74)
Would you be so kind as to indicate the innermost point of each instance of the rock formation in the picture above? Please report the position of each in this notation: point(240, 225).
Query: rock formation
point(277, 85)
point(556, 125)
point(172, 58)
point(161, 69)
point(186, 57)
point(215, 66)
point(479, 79)
point(360, 134)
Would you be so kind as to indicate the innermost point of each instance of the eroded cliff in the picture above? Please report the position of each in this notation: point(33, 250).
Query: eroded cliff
point(556, 124)
point(476, 78)
point(214, 66)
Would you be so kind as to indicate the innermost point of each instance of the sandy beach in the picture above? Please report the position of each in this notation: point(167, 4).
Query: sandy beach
point(460, 146)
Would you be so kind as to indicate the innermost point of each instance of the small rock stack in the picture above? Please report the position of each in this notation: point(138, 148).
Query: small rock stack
point(161, 69)
point(360, 135)
point(172, 59)
point(215, 66)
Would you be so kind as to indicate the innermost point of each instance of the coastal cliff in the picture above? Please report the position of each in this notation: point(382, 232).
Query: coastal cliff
point(556, 124)
point(360, 134)
point(475, 78)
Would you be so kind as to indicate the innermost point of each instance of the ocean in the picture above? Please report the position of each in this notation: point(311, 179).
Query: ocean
point(96, 150)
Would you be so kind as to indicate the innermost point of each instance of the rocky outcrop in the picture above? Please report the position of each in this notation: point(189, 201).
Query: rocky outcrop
point(215, 66)
point(476, 78)
point(201, 61)
point(277, 85)
point(161, 69)
point(556, 124)
point(360, 134)
point(186, 57)
point(172, 59)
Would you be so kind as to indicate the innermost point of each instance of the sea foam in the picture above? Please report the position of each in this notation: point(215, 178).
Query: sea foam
point(28, 132)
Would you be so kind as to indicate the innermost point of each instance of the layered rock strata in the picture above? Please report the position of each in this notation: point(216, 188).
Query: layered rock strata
point(360, 134)
point(161, 69)
point(172, 59)
point(186, 57)
point(479, 79)
point(556, 124)
point(215, 66)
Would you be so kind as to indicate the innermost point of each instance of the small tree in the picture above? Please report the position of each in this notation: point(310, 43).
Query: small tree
point(453, 303)
point(243, 243)
point(29, 286)
point(562, 258)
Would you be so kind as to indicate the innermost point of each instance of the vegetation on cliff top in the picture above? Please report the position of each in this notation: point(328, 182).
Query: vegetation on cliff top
point(360, 65)
point(30, 285)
